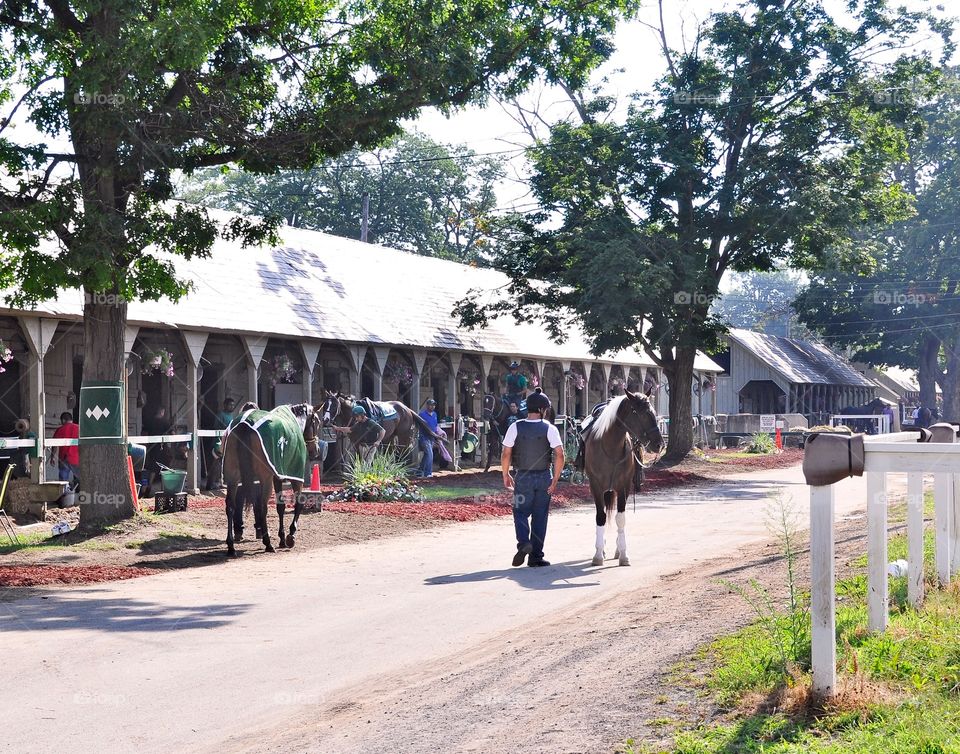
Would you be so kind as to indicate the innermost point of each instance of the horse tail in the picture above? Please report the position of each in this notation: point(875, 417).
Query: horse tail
point(424, 427)
point(245, 461)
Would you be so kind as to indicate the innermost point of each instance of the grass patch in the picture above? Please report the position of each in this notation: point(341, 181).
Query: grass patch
point(900, 690)
point(447, 492)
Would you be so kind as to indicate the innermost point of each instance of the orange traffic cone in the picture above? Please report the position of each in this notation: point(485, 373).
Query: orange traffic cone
point(315, 478)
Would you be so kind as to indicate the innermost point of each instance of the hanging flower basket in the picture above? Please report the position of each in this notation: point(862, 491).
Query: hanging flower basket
point(282, 370)
point(470, 380)
point(576, 380)
point(398, 373)
point(6, 355)
point(160, 361)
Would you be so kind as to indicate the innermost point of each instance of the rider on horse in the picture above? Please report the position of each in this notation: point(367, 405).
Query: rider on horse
point(516, 387)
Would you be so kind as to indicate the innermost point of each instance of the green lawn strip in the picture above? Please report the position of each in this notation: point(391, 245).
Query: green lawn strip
point(901, 688)
point(448, 492)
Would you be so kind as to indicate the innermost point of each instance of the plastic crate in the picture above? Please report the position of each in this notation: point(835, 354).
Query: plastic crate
point(166, 502)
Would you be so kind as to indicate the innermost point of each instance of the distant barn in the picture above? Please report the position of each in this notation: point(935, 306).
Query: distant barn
point(768, 374)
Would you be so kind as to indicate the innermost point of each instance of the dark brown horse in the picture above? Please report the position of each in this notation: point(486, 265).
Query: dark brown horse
point(336, 410)
point(244, 462)
point(496, 410)
point(626, 424)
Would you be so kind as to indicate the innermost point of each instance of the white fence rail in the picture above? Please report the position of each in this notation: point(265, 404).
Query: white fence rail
point(882, 420)
point(884, 454)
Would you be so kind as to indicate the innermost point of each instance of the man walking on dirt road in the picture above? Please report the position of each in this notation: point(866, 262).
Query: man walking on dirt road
point(529, 444)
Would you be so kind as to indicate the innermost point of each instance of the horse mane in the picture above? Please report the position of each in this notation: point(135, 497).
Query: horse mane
point(608, 416)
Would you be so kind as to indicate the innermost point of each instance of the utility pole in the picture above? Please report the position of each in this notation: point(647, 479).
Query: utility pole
point(365, 219)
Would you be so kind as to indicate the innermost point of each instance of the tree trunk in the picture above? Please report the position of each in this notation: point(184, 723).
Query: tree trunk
point(928, 369)
point(104, 483)
point(951, 381)
point(680, 383)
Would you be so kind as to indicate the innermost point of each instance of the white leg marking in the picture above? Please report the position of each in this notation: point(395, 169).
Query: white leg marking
point(598, 556)
point(622, 539)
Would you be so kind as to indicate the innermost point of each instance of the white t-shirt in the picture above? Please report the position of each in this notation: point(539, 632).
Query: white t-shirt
point(553, 434)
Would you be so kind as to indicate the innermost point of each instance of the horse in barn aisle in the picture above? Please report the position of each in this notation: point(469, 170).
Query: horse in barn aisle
point(266, 448)
point(627, 425)
point(496, 411)
point(873, 408)
point(398, 426)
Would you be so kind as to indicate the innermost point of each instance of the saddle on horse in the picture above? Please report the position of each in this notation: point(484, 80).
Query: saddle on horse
point(379, 411)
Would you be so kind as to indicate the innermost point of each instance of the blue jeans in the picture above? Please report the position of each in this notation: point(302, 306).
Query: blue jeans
point(67, 471)
point(531, 501)
point(426, 462)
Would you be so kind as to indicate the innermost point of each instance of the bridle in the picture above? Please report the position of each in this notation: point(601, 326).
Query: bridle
point(329, 414)
point(643, 439)
point(312, 442)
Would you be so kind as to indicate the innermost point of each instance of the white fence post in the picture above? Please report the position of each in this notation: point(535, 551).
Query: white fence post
point(915, 538)
point(822, 578)
point(955, 527)
point(942, 507)
point(877, 592)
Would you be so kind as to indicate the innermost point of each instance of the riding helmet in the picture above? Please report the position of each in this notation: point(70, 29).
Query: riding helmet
point(514, 364)
point(537, 401)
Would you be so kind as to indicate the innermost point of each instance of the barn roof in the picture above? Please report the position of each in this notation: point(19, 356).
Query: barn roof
point(800, 361)
point(315, 285)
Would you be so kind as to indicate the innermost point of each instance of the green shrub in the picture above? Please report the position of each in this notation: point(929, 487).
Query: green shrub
point(383, 478)
point(761, 442)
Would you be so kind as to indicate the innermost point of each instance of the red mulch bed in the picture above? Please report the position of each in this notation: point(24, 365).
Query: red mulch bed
point(788, 457)
point(43, 575)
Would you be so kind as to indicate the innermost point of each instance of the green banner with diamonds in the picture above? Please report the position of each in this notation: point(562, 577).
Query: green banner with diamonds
point(101, 413)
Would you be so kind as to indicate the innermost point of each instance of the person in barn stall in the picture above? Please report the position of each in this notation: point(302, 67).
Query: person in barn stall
point(68, 457)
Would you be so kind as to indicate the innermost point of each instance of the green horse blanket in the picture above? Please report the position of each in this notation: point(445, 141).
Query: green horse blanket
point(281, 437)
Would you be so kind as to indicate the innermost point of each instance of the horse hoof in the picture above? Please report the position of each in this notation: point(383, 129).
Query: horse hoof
point(238, 537)
point(616, 555)
point(231, 553)
point(290, 541)
point(624, 561)
point(597, 560)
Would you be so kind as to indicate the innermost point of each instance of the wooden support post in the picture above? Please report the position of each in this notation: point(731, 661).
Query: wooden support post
point(822, 585)
point(310, 350)
point(255, 347)
point(39, 335)
point(606, 370)
point(877, 588)
point(942, 508)
point(915, 538)
point(380, 354)
point(195, 342)
point(587, 405)
point(454, 399)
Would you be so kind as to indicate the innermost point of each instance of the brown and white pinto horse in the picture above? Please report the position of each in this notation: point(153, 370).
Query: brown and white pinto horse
point(627, 422)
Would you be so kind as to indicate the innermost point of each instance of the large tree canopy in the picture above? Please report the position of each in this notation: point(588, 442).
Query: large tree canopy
point(900, 305)
point(139, 90)
point(763, 142)
point(424, 196)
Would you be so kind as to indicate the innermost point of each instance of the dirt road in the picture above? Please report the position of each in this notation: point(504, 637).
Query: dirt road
point(424, 642)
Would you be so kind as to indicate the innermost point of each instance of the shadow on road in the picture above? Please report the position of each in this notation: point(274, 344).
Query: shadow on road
point(556, 576)
point(83, 609)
